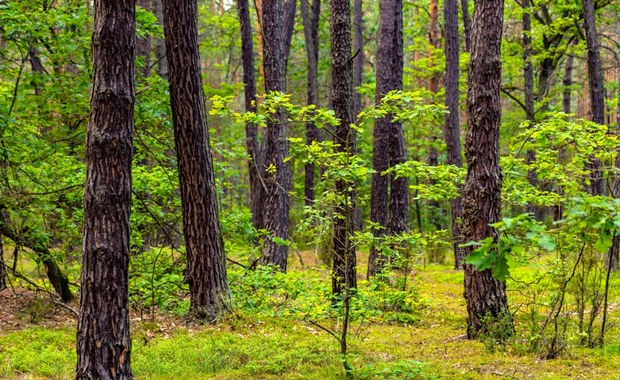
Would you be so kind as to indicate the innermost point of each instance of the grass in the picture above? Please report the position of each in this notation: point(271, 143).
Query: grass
point(270, 343)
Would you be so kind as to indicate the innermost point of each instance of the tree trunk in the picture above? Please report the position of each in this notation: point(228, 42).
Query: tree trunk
point(486, 296)
point(206, 261)
point(160, 46)
point(466, 24)
point(597, 97)
point(344, 264)
point(358, 51)
point(528, 79)
point(276, 203)
point(2, 268)
point(251, 131)
point(103, 339)
point(567, 80)
point(310, 15)
point(143, 45)
point(388, 213)
point(451, 129)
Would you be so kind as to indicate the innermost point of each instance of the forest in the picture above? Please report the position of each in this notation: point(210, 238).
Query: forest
point(308, 189)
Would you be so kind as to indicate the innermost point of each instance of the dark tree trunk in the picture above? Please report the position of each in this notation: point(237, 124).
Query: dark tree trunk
point(344, 264)
point(276, 203)
point(486, 296)
point(466, 24)
point(358, 50)
point(160, 46)
point(614, 251)
point(389, 213)
point(206, 261)
point(143, 45)
point(451, 130)
point(251, 131)
point(528, 79)
point(290, 7)
point(2, 268)
point(310, 15)
point(567, 80)
point(597, 96)
point(37, 68)
point(103, 339)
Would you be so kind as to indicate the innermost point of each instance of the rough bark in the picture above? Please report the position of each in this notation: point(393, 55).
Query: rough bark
point(344, 263)
point(451, 129)
point(103, 340)
point(160, 46)
point(388, 213)
point(276, 203)
point(310, 14)
point(206, 261)
point(290, 7)
point(143, 45)
point(251, 131)
point(597, 95)
point(466, 24)
point(485, 296)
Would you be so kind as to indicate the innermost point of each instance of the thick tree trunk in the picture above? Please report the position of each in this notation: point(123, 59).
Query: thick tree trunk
point(466, 24)
point(451, 129)
point(251, 131)
point(206, 261)
point(310, 15)
point(276, 203)
point(344, 264)
point(103, 340)
point(486, 296)
point(388, 213)
point(597, 95)
point(160, 46)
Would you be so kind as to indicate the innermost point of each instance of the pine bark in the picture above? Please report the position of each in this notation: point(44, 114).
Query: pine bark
point(358, 50)
point(389, 213)
point(310, 12)
point(103, 339)
point(276, 203)
point(485, 295)
point(451, 129)
point(251, 131)
point(206, 261)
point(344, 263)
point(597, 94)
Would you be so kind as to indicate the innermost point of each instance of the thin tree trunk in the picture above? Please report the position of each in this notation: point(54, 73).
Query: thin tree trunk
point(389, 214)
point(251, 131)
point(310, 15)
point(206, 261)
point(485, 295)
point(528, 79)
point(614, 254)
point(103, 339)
point(567, 80)
point(290, 7)
point(451, 130)
point(143, 45)
point(276, 204)
point(160, 45)
point(597, 97)
point(466, 24)
point(358, 50)
point(344, 263)
point(2, 268)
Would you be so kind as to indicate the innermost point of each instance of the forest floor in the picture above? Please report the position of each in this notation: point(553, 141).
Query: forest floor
point(37, 341)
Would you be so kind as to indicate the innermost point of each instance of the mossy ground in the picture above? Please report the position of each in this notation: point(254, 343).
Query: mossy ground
point(257, 346)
